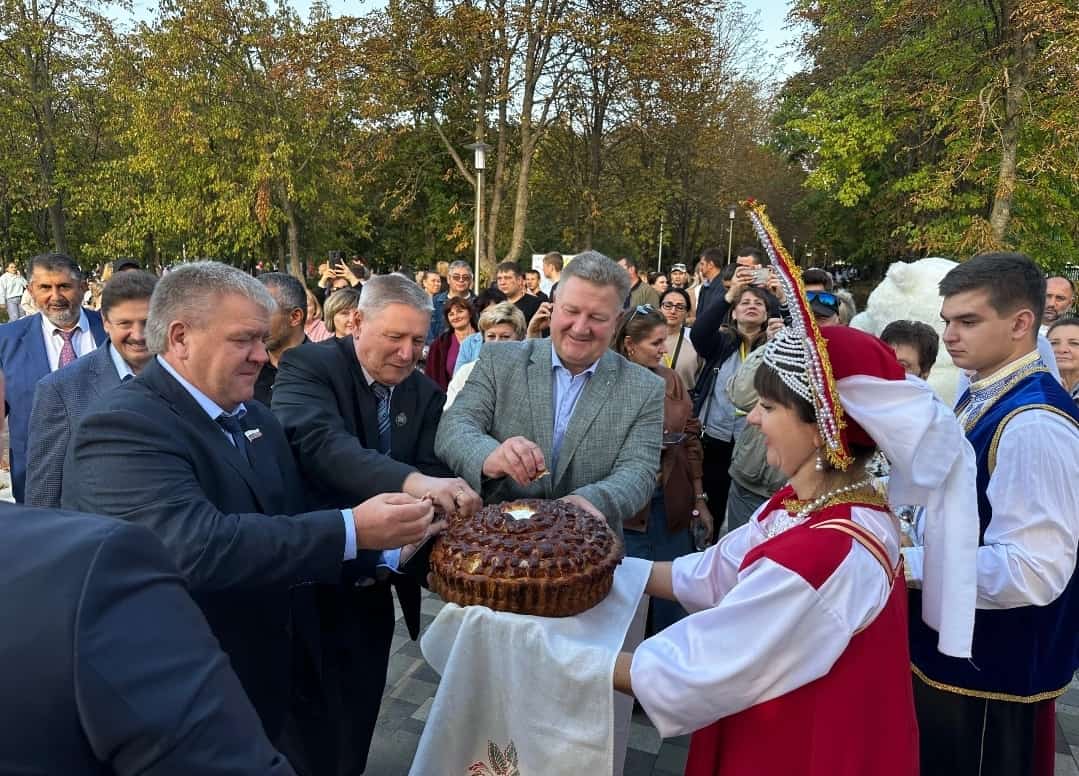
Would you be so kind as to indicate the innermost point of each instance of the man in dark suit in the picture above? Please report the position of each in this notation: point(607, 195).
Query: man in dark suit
point(114, 667)
point(183, 450)
point(362, 421)
point(33, 346)
point(62, 397)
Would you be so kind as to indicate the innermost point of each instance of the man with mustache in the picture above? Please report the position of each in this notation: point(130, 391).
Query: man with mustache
point(38, 344)
point(62, 397)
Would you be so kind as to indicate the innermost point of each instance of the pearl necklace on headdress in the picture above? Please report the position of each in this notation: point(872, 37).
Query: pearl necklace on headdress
point(785, 520)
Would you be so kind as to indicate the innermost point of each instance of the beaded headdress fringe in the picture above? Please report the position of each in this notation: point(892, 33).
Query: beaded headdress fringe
point(799, 355)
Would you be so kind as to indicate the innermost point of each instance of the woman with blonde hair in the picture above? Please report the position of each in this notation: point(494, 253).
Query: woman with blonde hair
point(501, 322)
point(339, 311)
point(315, 328)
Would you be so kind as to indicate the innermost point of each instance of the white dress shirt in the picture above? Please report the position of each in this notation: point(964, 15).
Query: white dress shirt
point(83, 341)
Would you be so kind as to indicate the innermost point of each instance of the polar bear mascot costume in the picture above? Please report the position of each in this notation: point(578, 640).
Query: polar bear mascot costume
point(909, 292)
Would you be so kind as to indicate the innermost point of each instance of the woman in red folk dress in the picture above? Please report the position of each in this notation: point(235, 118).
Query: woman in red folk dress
point(794, 660)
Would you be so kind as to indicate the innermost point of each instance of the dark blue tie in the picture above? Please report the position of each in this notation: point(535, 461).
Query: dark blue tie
point(235, 429)
point(382, 393)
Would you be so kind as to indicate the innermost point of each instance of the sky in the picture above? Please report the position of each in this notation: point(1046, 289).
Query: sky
point(772, 15)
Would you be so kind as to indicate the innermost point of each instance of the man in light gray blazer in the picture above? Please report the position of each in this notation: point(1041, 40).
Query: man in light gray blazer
point(564, 417)
point(62, 397)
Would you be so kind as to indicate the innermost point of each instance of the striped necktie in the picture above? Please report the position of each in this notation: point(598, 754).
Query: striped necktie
point(382, 392)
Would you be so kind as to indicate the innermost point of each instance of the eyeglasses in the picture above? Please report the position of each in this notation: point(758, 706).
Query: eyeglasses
point(826, 298)
point(674, 306)
point(460, 277)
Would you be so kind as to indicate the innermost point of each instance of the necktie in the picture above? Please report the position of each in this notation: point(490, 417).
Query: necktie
point(382, 392)
point(67, 352)
point(235, 429)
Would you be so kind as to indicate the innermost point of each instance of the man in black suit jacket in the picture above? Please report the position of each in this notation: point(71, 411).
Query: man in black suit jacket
point(112, 665)
point(106, 664)
point(351, 444)
point(183, 450)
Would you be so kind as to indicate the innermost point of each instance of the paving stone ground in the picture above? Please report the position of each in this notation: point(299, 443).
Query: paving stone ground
point(411, 686)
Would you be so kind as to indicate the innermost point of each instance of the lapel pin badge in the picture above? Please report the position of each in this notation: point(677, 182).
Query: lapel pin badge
point(253, 434)
point(401, 419)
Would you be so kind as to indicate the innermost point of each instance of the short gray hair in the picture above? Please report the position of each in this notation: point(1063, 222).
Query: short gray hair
point(382, 291)
point(596, 268)
point(460, 264)
point(190, 293)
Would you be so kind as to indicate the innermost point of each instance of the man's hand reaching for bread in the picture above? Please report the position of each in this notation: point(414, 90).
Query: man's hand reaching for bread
point(517, 458)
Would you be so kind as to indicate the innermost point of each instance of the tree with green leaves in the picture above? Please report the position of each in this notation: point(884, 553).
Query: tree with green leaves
point(940, 127)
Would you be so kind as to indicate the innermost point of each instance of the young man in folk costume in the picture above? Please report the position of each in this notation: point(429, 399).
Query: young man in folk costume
point(794, 659)
point(994, 714)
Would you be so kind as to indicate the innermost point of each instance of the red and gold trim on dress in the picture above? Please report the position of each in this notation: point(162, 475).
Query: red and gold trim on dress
point(830, 416)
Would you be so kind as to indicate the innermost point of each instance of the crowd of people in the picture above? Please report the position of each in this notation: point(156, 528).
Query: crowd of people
point(221, 481)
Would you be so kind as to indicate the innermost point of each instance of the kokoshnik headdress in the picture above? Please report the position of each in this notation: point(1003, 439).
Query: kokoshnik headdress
point(932, 463)
point(799, 353)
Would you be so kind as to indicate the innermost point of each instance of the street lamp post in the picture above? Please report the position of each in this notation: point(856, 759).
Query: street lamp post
point(730, 231)
point(480, 151)
point(659, 261)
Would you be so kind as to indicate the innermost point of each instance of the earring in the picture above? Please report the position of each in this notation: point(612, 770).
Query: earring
point(820, 463)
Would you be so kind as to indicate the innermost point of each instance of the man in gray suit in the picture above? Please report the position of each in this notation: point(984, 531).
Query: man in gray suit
point(62, 397)
point(567, 405)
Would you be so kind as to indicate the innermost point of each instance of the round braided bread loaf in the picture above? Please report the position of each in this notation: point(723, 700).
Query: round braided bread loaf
point(549, 558)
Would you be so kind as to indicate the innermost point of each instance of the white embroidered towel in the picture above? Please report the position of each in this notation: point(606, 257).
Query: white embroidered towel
point(523, 695)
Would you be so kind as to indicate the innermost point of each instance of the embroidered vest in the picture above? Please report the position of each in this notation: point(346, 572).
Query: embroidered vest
point(1025, 654)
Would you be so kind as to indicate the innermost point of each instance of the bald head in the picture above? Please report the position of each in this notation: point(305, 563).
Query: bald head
point(1059, 296)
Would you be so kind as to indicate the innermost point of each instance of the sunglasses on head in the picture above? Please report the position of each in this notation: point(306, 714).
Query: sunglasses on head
point(826, 298)
point(642, 309)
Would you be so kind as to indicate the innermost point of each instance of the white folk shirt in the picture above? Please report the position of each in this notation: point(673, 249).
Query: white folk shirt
point(756, 634)
point(1028, 554)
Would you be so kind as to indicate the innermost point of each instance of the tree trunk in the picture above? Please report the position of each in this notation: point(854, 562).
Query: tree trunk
point(37, 68)
point(498, 184)
point(58, 224)
point(279, 241)
point(1022, 50)
point(520, 205)
point(295, 266)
